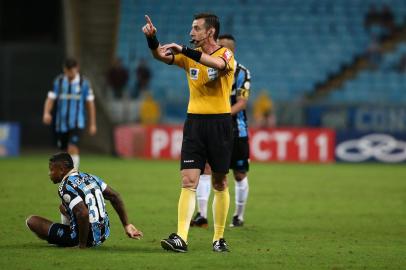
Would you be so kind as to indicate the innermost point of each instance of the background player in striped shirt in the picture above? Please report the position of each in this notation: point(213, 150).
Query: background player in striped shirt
point(240, 155)
point(66, 108)
point(82, 198)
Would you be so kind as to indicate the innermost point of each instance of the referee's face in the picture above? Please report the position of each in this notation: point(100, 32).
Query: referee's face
point(199, 32)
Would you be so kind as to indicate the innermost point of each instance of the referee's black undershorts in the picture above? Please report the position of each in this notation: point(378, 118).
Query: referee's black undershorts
point(207, 137)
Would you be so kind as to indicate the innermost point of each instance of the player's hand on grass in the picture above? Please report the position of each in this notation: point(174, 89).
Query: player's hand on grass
point(149, 29)
point(133, 232)
point(47, 118)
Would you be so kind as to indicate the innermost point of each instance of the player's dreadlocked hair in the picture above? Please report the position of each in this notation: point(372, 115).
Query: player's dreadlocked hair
point(210, 20)
point(64, 158)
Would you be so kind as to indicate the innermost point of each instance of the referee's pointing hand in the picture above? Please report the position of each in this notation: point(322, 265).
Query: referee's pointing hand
point(148, 29)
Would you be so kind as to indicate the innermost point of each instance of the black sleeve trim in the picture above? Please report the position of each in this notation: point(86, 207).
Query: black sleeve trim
point(226, 64)
point(192, 54)
point(173, 60)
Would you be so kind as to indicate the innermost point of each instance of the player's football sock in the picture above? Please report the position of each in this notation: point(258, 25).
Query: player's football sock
point(76, 161)
point(186, 207)
point(64, 220)
point(221, 203)
point(203, 193)
point(241, 195)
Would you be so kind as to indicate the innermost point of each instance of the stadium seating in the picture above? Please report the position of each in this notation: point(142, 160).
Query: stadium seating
point(289, 46)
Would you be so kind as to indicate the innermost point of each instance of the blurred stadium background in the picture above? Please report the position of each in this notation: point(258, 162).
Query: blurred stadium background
point(335, 71)
point(325, 64)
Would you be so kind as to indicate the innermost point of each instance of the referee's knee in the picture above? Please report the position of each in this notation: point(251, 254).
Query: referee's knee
point(188, 182)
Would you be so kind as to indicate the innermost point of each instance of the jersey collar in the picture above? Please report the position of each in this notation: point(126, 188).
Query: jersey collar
point(75, 80)
point(72, 172)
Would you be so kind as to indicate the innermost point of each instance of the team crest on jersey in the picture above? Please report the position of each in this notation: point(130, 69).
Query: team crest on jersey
point(212, 73)
point(66, 198)
point(77, 88)
point(227, 55)
point(194, 73)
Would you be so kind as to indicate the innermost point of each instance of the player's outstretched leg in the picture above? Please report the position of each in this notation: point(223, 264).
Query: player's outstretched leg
point(39, 225)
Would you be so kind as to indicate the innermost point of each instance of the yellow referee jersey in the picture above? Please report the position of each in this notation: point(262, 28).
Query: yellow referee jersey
point(209, 88)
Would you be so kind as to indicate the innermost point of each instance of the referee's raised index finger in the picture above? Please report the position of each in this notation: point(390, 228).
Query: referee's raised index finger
point(148, 20)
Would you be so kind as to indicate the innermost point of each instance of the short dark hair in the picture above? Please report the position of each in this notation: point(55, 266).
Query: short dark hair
point(63, 158)
point(70, 63)
point(227, 36)
point(210, 20)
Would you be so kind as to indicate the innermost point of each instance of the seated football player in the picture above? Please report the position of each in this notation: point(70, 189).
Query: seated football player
point(83, 205)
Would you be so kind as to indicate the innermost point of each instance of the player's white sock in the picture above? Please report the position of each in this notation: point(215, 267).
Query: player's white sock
point(64, 220)
point(241, 195)
point(76, 161)
point(203, 193)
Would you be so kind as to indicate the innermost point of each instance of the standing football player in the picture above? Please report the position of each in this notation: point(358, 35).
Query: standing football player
point(240, 153)
point(66, 108)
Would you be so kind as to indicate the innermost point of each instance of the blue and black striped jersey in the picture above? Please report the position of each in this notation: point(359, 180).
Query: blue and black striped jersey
point(241, 88)
point(77, 187)
point(70, 102)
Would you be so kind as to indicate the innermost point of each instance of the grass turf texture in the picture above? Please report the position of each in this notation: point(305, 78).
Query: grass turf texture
point(298, 217)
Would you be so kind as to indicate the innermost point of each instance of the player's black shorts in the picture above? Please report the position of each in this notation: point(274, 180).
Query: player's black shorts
point(70, 137)
point(207, 137)
point(240, 155)
point(61, 235)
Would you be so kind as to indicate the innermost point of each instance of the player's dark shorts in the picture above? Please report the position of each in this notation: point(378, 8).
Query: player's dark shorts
point(61, 235)
point(240, 155)
point(207, 137)
point(70, 137)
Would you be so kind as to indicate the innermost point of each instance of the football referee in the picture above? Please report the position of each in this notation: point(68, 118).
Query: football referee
point(207, 132)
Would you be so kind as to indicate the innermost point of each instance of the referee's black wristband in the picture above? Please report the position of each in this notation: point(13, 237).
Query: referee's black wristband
point(153, 42)
point(192, 54)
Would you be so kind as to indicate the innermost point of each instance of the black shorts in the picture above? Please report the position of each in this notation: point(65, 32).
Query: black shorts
point(240, 155)
point(207, 137)
point(70, 137)
point(63, 236)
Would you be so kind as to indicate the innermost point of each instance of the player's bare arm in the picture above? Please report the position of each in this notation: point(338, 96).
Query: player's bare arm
point(47, 116)
point(92, 117)
point(150, 31)
point(82, 216)
point(118, 205)
point(240, 105)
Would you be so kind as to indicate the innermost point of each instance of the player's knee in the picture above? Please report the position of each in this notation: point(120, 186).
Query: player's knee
point(62, 209)
point(30, 222)
point(219, 181)
point(239, 176)
point(187, 182)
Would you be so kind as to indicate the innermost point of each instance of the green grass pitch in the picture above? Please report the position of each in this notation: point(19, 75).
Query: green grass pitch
point(335, 216)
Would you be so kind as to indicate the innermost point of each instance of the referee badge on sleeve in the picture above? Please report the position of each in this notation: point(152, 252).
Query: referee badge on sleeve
point(194, 73)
